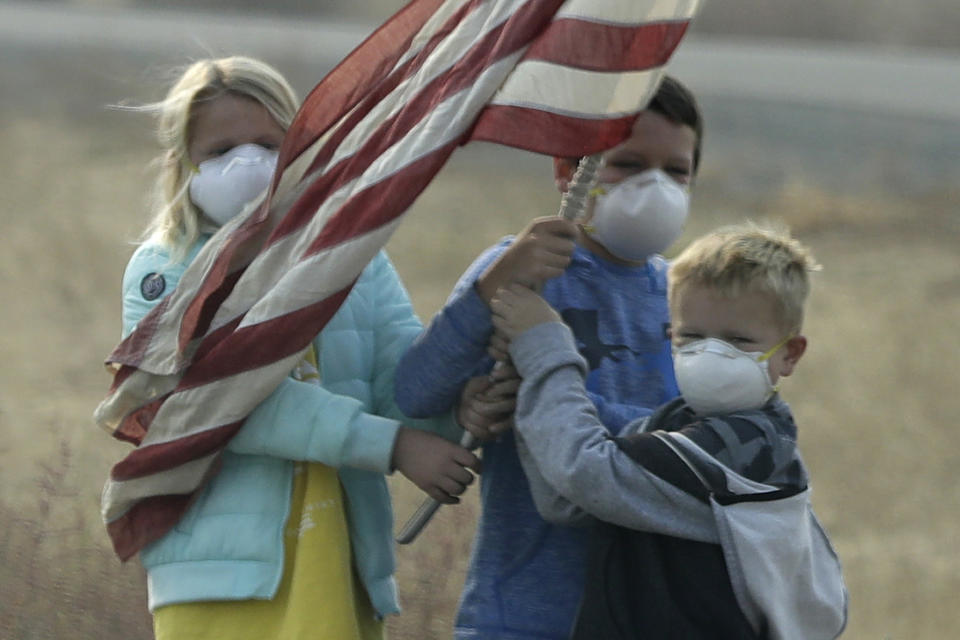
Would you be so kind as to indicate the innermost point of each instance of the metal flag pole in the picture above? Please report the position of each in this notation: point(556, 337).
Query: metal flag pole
point(572, 206)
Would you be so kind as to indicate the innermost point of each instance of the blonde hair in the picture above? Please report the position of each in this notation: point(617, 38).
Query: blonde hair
point(176, 221)
point(748, 258)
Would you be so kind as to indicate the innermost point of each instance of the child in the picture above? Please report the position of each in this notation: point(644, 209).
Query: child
point(658, 569)
point(609, 284)
point(292, 537)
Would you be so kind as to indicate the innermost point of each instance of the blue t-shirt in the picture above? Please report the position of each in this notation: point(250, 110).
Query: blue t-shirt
point(526, 575)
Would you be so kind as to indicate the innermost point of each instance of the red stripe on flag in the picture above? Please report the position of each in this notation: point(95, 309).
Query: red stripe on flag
point(366, 211)
point(213, 338)
point(154, 458)
point(258, 345)
point(606, 47)
point(133, 348)
point(145, 522)
point(199, 315)
point(552, 134)
point(134, 426)
point(121, 374)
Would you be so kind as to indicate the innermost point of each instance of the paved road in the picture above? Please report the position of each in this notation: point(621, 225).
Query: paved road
point(846, 117)
point(914, 83)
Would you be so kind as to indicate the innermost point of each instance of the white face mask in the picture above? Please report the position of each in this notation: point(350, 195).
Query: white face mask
point(226, 183)
point(639, 216)
point(715, 377)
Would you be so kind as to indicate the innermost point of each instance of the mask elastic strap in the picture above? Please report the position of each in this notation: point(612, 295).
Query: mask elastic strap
point(596, 191)
point(767, 354)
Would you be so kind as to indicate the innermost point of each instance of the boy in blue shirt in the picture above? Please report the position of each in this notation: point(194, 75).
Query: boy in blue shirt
point(608, 282)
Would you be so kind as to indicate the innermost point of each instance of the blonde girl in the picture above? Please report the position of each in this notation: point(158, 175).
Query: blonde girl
point(292, 537)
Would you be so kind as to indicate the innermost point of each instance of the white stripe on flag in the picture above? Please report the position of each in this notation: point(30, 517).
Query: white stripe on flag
point(292, 176)
point(333, 269)
point(430, 27)
point(138, 388)
point(587, 94)
point(627, 12)
point(119, 497)
point(214, 404)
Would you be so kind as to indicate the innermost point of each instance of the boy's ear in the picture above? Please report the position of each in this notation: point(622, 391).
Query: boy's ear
point(563, 170)
point(795, 348)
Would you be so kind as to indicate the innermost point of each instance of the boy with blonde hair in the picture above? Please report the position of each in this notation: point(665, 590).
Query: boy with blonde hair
point(703, 527)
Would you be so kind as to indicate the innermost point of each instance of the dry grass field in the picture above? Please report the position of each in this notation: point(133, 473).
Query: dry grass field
point(876, 395)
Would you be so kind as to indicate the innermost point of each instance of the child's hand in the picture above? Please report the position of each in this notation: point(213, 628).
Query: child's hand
point(487, 403)
point(499, 347)
point(540, 252)
point(437, 466)
point(516, 309)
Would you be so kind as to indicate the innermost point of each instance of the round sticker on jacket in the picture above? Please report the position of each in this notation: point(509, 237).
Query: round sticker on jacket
point(152, 286)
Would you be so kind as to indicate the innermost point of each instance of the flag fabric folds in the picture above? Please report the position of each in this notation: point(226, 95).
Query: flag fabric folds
point(558, 78)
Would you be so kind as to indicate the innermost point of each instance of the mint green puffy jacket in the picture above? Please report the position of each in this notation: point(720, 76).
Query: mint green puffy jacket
point(229, 545)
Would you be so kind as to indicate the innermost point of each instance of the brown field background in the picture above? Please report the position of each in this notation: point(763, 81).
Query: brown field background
point(876, 396)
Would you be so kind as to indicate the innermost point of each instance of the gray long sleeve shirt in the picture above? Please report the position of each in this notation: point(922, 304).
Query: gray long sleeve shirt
point(778, 575)
point(576, 469)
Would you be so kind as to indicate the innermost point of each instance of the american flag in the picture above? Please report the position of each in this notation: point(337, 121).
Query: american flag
point(552, 77)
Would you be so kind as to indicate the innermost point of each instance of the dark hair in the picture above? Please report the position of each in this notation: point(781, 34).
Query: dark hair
point(674, 101)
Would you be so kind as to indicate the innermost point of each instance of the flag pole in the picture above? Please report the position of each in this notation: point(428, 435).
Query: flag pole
point(572, 205)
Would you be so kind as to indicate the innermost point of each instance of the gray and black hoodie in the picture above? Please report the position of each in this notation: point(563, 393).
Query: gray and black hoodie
point(657, 569)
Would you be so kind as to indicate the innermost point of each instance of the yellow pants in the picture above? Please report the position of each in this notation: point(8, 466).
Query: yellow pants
point(320, 596)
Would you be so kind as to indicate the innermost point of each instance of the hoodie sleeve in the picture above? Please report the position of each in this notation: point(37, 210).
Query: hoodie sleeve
point(616, 415)
point(396, 326)
point(576, 457)
point(552, 506)
point(451, 350)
